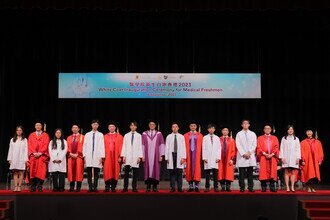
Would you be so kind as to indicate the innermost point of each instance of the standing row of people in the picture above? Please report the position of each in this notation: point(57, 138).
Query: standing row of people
point(183, 154)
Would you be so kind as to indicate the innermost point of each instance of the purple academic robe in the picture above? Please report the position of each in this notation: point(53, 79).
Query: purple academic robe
point(153, 148)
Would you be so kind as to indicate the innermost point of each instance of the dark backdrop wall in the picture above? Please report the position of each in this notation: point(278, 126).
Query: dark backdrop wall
point(290, 48)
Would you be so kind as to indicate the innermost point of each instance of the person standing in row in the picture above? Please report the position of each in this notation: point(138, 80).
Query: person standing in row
point(93, 152)
point(18, 157)
point(175, 155)
point(193, 140)
point(153, 152)
point(38, 142)
point(113, 143)
point(290, 154)
point(57, 165)
point(75, 159)
point(267, 152)
point(228, 158)
point(132, 155)
point(312, 158)
point(211, 154)
point(246, 141)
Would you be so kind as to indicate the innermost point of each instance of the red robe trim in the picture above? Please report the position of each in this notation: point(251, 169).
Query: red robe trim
point(312, 155)
point(226, 171)
point(111, 164)
point(75, 166)
point(197, 174)
point(38, 166)
point(268, 167)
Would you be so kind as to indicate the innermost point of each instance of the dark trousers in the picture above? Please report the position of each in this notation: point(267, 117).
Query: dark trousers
point(248, 173)
point(225, 184)
point(36, 183)
point(92, 185)
point(312, 182)
point(175, 174)
point(135, 176)
point(151, 181)
point(208, 177)
point(58, 180)
point(271, 184)
point(73, 183)
point(111, 183)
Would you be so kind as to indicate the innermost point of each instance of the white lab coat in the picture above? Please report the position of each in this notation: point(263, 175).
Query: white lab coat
point(57, 154)
point(211, 152)
point(18, 154)
point(290, 151)
point(132, 152)
point(99, 149)
point(169, 149)
point(246, 144)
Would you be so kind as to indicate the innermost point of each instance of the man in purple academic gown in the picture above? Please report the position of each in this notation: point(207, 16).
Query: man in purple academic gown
point(153, 152)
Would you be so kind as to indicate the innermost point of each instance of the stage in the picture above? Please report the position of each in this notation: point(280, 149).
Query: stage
point(161, 205)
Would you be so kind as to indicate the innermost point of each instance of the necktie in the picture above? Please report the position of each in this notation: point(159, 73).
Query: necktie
point(224, 147)
point(93, 144)
point(175, 144)
point(268, 144)
point(212, 139)
point(74, 144)
point(247, 140)
point(132, 139)
point(192, 142)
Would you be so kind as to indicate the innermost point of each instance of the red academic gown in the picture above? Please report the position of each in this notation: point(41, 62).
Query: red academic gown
point(113, 145)
point(38, 166)
point(197, 174)
point(268, 167)
point(75, 166)
point(312, 155)
point(226, 171)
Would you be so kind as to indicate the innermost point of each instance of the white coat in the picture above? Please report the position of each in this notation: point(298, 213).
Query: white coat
point(132, 152)
point(290, 151)
point(57, 154)
point(169, 149)
point(211, 152)
point(246, 143)
point(18, 154)
point(93, 160)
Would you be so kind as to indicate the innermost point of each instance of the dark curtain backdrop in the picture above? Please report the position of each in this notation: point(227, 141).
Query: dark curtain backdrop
point(290, 48)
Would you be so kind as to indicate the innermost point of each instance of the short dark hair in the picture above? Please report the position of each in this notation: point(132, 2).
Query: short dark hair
point(133, 122)
point(211, 125)
point(245, 120)
point(175, 123)
point(95, 121)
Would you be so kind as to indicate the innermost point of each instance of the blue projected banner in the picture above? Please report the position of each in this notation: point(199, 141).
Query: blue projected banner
point(159, 85)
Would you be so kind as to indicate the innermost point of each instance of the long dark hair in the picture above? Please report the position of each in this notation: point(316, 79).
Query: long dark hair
point(54, 147)
point(15, 134)
point(287, 128)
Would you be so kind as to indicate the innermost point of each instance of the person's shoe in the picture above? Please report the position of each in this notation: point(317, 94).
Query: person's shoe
point(206, 190)
point(113, 190)
point(124, 190)
point(197, 190)
point(228, 189)
point(223, 189)
point(273, 189)
point(293, 190)
point(90, 190)
point(172, 190)
point(19, 189)
point(32, 189)
point(61, 190)
point(78, 190)
point(107, 189)
point(180, 190)
point(55, 190)
point(40, 189)
point(71, 190)
point(95, 190)
point(263, 189)
point(251, 190)
point(190, 190)
point(216, 190)
point(242, 190)
point(135, 190)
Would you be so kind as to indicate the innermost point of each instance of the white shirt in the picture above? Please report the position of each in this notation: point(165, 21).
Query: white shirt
point(290, 151)
point(246, 141)
point(93, 158)
point(211, 151)
point(18, 154)
point(169, 149)
point(132, 152)
point(57, 154)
